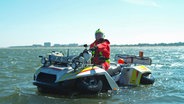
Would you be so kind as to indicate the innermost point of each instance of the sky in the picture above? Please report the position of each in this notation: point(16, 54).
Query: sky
point(27, 22)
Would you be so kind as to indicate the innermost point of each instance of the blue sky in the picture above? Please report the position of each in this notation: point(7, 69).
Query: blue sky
point(27, 22)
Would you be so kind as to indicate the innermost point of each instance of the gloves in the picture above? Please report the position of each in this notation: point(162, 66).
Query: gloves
point(94, 48)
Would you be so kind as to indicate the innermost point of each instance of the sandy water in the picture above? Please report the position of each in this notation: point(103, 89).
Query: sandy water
point(17, 66)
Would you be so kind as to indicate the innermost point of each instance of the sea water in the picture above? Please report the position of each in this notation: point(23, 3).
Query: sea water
point(17, 66)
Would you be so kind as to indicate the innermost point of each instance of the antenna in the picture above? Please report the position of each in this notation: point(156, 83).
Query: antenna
point(68, 53)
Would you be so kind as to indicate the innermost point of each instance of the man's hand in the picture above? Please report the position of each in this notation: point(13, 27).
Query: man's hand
point(94, 48)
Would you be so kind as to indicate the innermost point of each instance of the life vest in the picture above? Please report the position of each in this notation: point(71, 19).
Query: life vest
point(102, 55)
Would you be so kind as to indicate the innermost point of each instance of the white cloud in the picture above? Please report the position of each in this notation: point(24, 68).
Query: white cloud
point(143, 2)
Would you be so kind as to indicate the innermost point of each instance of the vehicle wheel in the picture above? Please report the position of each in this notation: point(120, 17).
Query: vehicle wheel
point(90, 85)
point(42, 90)
point(39, 89)
point(147, 79)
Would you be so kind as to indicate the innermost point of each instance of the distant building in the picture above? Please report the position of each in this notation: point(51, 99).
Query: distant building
point(47, 44)
point(73, 45)
point(57, 45)
point(37, 45)
point(70, 45)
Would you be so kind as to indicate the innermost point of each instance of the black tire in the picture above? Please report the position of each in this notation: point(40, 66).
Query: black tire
point(90, 85)
point(147, 79)
point(42, 90)
point(46, 90)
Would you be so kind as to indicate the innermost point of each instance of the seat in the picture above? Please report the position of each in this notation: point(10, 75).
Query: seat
point(114, 70)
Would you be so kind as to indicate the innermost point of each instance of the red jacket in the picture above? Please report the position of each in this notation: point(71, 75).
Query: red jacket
point(102, 52)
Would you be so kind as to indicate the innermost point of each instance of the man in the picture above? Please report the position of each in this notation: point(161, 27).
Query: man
point(101, 53)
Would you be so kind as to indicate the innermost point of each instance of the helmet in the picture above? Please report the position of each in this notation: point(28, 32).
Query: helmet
point(99, 34)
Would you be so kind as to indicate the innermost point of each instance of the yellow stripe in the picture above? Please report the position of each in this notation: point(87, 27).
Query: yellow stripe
point(88, 69)
point(142, 67)
point(101, 53)
point(108, 60)
point(133, 78)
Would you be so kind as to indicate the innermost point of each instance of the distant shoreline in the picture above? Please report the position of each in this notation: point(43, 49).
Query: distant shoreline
point(114, 45)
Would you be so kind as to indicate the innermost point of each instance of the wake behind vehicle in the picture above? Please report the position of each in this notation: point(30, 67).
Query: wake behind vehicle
point(66, 74)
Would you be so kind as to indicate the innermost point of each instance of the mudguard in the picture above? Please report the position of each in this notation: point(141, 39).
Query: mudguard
point(90, 71)
point(132, 75)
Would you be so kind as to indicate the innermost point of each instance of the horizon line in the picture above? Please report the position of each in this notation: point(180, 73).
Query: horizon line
point(76, 44)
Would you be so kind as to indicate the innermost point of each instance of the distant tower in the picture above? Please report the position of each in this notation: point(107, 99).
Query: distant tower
point(47, 44)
